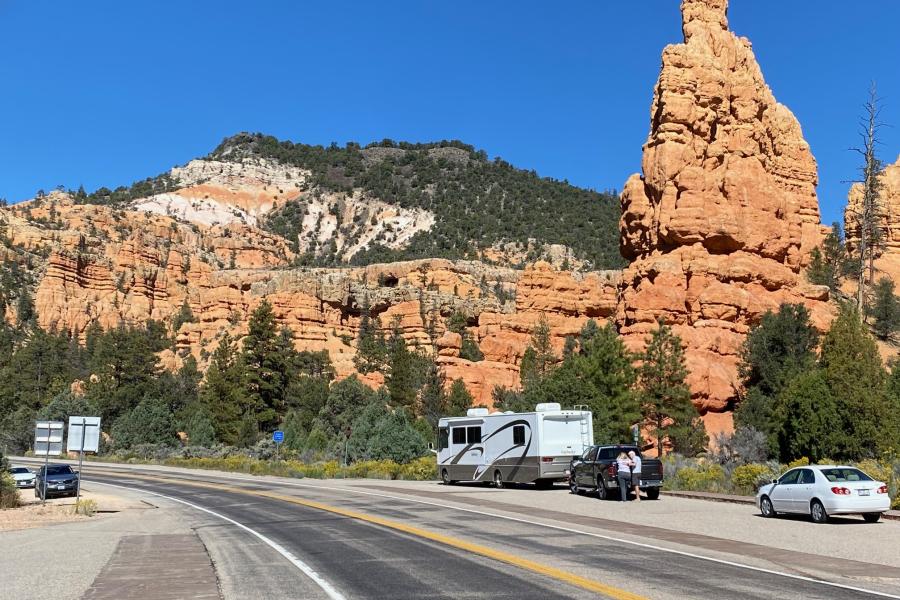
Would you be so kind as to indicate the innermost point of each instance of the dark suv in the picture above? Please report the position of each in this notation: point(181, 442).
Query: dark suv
point(56, 480)
point(596, 469)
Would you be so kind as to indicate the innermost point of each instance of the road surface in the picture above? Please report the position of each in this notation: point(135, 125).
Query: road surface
point(330, 541)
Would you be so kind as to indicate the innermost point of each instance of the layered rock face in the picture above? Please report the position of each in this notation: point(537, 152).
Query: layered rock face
point(110, 266)
point(725, 214)
point(888, 260)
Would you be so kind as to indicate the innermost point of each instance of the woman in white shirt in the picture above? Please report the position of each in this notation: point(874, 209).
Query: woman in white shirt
point(623, 475)
point(636, 473)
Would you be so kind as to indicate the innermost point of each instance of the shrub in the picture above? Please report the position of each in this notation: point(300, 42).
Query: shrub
point(9, 495)
point(798, 462)
point(421, 469)
point(705, 477)
point(85, 507)
point(746, 479)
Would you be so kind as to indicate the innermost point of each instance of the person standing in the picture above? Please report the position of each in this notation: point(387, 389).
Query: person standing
point(623, 475)
point(636, 473)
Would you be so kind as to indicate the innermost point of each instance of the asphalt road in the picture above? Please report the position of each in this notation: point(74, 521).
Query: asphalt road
point(371, 546)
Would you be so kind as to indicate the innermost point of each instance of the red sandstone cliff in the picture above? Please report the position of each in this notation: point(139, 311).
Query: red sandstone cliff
point(724, 214)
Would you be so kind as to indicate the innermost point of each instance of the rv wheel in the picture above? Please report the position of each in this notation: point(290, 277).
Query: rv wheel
point(498, 480)
point(445, 477)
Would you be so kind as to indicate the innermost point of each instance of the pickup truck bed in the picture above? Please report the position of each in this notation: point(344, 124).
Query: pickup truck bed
point(596, 470)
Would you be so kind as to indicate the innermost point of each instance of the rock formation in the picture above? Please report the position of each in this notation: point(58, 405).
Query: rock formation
point(725, 214)
point(107, 265)
point(888, 259)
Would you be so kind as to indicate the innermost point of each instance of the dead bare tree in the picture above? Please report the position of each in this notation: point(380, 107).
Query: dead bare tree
point(869, 213)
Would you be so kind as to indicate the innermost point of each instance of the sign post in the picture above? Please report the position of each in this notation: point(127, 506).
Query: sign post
point(84, 436)
point(48, 441)
point(278, 438)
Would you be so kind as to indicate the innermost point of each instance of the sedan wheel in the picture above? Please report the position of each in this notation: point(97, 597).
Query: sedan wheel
point(817, 512)
point(766, 508)
point(872, 517)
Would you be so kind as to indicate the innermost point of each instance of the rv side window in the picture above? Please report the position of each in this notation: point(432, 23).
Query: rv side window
point(459, 435)
point(473, 435)
point(443, 438)
point(519, 435)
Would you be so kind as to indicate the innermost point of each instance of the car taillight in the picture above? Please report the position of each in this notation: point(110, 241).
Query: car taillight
point(883, 490)
point(611, 470)
point(840, 491)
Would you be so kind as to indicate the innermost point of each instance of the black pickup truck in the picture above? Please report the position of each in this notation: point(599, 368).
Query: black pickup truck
point(596, 469)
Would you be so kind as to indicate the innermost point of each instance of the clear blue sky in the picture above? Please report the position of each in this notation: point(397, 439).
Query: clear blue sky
point(106, 92)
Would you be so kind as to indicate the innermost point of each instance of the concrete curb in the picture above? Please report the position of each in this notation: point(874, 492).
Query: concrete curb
point(893, 515)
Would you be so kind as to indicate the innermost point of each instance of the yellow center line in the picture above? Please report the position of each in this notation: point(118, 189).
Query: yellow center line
point(523, 563)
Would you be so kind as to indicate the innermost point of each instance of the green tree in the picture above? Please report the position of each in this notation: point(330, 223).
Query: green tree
point(852, 368)
point(222, 392)
point(459, 400)
point(666, 398)
point(150, 422)
point(346, 399)
point(810, 423)
point(885, 309)
point(782, 345)
point(371, 347)
point(505, 399)
point(199, 428)
point(395, 438)
point(829, 265)
point(469, 350)
point(433, 398)
point(405, 370)
point(266, 361)
point(184, 315)
point(538, 359)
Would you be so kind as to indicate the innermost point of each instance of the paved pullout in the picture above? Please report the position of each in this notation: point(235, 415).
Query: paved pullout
point(369, 545)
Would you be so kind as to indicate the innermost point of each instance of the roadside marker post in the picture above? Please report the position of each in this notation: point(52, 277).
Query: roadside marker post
point(278, 438)
point(48, 440)
point(84, 436)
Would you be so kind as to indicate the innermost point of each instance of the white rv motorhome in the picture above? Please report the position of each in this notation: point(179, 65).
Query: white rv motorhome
point(534, 447)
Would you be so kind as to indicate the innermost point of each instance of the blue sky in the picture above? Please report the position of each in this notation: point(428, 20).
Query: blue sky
point(106, 92)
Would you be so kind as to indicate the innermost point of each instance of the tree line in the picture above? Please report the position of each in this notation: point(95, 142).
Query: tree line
point(249, 389)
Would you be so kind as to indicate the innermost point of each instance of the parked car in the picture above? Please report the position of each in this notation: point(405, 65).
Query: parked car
point(821, 491)
point(23, 475)
point(59, 480)
point(596, 469)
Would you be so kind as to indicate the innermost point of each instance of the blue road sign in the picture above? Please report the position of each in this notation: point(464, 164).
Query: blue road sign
point(278, 437)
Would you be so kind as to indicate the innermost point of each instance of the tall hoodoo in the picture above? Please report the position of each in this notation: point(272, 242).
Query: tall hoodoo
point(887, 260)
point(725, 215)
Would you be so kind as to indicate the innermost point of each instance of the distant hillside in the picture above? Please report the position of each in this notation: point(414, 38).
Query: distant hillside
point(393, 201)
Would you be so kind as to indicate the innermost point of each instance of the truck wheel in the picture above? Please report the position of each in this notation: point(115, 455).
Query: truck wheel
point(573, 486)
point(652, 493)
point(498, 480)
point(602, 492)
point(445, 477)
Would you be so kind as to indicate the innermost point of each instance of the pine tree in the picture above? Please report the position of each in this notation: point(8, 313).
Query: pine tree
point(459, 400)
point(666, 398)
point(853, 370)
point(266, 362)
point(199, 429)
point(809, 418)
point(404, 370)
point(222, 392)
point(885, 309)
point(432, 398)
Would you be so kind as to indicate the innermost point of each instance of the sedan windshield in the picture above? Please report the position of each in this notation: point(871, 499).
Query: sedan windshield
point(845, 474)
point(59, 470)
point(18, 470)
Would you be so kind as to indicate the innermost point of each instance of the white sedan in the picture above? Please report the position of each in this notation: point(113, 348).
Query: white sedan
point(23, 476)
point(824, 490)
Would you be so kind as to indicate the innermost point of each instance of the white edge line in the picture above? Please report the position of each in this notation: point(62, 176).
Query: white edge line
point(556, 527)
point(307, 570)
